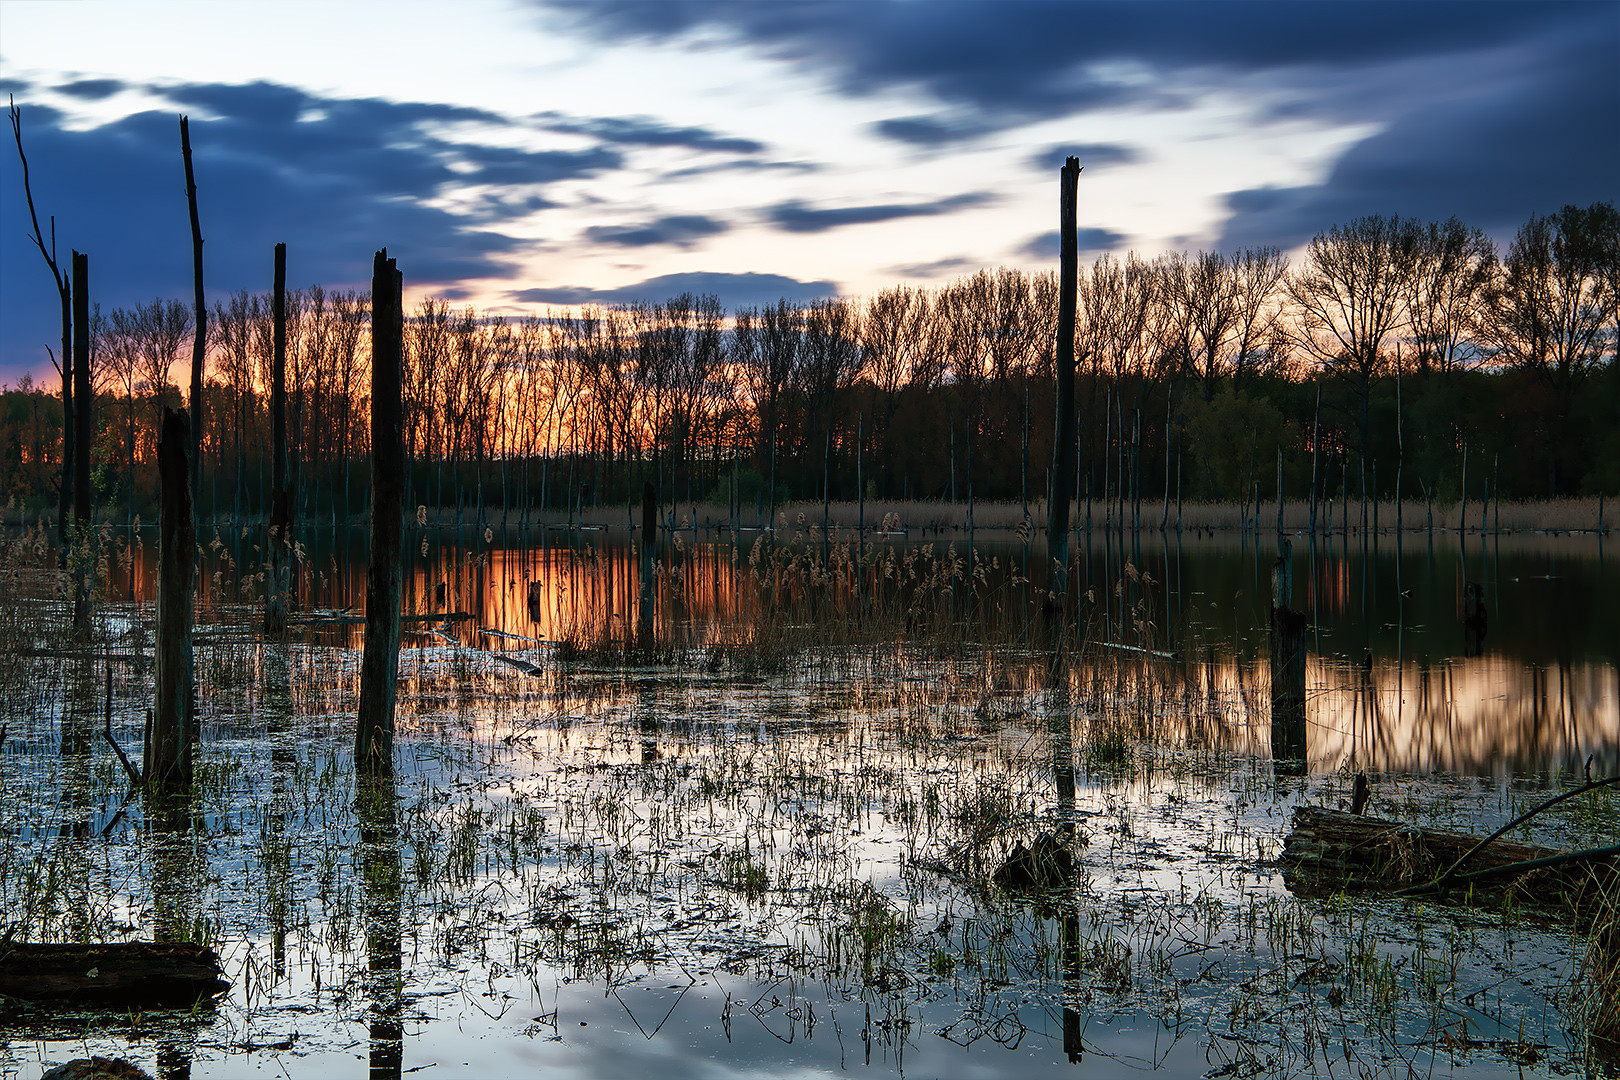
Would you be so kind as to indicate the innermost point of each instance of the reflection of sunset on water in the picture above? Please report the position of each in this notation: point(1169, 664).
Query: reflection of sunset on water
point(1542, 697)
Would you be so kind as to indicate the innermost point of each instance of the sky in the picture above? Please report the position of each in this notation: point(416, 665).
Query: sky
point(517, 155)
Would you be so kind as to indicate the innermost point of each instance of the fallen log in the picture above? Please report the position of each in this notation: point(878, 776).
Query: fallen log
point(131, 974)
point(1331, 851)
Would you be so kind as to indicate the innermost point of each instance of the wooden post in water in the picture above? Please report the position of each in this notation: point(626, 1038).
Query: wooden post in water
point(83, 424)
point(168, 757)
point(379, 665)
point(649, 542)
point(276, 543)
point(1065, 450)
point(1287, 661)
point(199, 341)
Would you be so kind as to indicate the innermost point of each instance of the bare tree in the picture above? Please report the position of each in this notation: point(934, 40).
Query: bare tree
point(1452, 270)
point(1348, 300)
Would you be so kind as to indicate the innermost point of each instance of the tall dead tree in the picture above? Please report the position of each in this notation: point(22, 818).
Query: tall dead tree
point(280, 540)
point(1065, 449)
point(64, 294)
point(379, 666)
point(85, 423)
point(168, 755)
point(199, 344)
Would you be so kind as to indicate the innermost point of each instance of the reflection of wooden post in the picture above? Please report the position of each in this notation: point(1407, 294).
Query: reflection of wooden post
point(649, 537)
point(1065, 451)
point(1287, 662)
point(1474, 618)
point(169, 760)
point(379, 666)
point(380, 908)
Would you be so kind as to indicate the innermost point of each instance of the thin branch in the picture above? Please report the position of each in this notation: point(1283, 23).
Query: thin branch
point(1451, 871)
point(28, 192)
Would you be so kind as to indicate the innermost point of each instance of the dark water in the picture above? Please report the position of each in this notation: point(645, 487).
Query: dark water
point(560, 885)
point(1536, 693)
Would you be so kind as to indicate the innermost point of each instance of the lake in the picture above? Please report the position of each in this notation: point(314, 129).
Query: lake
point(763, 847)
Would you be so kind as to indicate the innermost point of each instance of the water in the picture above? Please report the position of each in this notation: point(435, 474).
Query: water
point(742, 860)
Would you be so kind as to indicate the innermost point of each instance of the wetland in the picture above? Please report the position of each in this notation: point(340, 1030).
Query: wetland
point(763, 843)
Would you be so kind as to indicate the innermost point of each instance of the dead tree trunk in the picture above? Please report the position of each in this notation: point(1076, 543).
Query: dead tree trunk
point(1064, 448)
point(82, 426)
point(169, 756)
point(199, 344)
point(131, 974)
point(275, 593)
point(379, 666)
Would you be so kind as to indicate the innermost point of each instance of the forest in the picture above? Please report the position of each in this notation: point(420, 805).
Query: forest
point(1394, 358)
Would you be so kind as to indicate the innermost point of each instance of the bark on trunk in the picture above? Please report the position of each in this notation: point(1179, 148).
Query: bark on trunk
point(1064, 449)
point(379, 666)
point(169, 756)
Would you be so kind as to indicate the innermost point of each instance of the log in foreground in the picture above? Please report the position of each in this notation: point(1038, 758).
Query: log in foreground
point(132, 974)
point(1331, 851)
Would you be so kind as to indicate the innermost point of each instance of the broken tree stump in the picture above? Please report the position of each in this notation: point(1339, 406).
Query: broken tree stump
point(1331, 851)
point(122, 975)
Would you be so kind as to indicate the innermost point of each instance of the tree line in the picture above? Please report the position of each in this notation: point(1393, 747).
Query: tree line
point(1393, 353)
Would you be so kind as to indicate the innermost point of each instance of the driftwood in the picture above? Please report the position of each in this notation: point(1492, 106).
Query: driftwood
point(1331, 851)
point(133, 974)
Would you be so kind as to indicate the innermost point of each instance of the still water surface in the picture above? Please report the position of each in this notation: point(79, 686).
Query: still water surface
point(715, 870)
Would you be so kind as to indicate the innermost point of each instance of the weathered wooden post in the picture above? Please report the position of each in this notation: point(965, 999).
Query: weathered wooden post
point(84, 421)
point(649, 541)
point(168, 756)
point(275, 592)
point(379, 665)
point(1064, 447)
point(1287, 661)
point(199, 342)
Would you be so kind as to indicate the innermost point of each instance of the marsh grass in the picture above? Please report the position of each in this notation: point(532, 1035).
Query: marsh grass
point(819, 797)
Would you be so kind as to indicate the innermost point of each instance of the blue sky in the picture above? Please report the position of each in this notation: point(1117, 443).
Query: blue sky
point(515, 155)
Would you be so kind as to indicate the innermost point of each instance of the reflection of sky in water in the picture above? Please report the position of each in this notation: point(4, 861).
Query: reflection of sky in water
point(823, 772)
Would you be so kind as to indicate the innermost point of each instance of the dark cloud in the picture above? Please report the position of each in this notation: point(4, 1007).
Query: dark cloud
point(937, 269)
point(91, 89)
point(1488, 109)
point(1491, 159)
point(1092, 156)
point(796, 216)
point(1091, 241)
point(929, 132)
point(335, 179)
point(677, 230)
point(734, 290)
point(753, 165)
point(1051, 58)
point(645, 131)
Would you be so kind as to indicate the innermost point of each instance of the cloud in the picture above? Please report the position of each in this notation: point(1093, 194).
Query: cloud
point(1488, 109)
point(1092, 241)
point(91, 89)
point(645, 131)
point(1092, 156)
point(929, 132)
point(677, 230)
point(938, 268)
point(1048, 58)
point(734, 290)
point(1491, 159)
point(795, 216)
point(333, 178)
